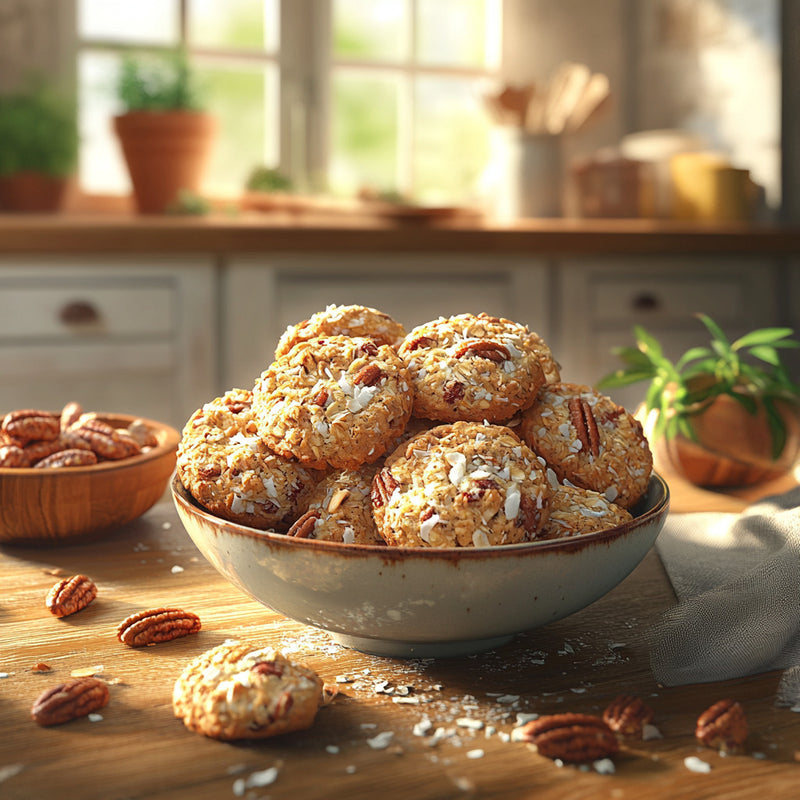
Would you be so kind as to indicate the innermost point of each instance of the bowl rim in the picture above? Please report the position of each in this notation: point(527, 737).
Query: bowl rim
point(182, 498)
point(169, 438)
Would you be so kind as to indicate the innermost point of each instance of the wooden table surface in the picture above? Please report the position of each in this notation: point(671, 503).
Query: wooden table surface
point(138, 749)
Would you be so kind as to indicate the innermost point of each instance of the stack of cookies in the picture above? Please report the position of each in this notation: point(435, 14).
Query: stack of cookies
point(459, 433)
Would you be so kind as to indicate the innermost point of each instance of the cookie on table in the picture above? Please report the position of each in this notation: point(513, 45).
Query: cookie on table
point(471, 368)
point(574, 511)
point(340, 510)
point(241, 691)
point(226, 467)
point(335, 320)
point(461, 484)
point(336, 401)
point(590, 441)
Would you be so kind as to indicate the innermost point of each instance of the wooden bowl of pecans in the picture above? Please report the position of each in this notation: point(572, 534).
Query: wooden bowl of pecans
point(61, 497)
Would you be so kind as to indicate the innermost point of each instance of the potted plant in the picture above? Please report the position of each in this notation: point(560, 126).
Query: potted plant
point(165, 133)
point(38, 148)
point(728, 414)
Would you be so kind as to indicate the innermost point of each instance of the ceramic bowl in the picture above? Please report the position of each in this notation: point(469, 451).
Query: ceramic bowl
point(58, 506)
point(420, 602)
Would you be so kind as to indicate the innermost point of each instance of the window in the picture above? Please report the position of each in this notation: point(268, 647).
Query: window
point(338, 94)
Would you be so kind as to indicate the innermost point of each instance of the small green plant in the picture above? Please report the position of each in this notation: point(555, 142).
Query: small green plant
point(748, 369)
point(158, 82)
point(268, 179)
point(38, 131)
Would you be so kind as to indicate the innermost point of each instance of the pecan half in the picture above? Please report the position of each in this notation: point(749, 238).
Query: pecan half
point(157, 625)
point(582, 419)
point(70, 595)
point(70, 700)
point(368, 375)
point(627, 715)
point(571, 737)
point(383, 485)
point(303, 527)
point(267, 668)
point(722, 725)
point(13, 457)
point(104, 440)
point(67, 458)
point(419, 341)
point(70, 414)
point(320, 398)
point(27, 425)
point(484, 349)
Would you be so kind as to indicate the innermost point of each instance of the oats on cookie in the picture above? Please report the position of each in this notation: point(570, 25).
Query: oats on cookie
point(472, 368)
point(352, 320)
point(241, 691)
point(226, 467)
point(589, 440)
point(336, 401)
point(340, 510)
point(463, 484)
point(574, 511)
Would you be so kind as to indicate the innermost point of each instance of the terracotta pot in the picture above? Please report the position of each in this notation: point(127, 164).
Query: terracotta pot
point(733, 447)
point(166, 152)
point(32, 192)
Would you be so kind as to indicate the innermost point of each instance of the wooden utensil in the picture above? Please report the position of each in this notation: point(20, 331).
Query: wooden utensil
point(595, 95)
point(567, 86)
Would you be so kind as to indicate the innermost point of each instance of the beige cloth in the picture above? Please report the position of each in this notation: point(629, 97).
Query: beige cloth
point(737, 579)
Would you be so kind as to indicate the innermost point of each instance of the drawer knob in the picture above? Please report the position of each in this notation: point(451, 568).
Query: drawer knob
point(78, 312)
point(646, 302)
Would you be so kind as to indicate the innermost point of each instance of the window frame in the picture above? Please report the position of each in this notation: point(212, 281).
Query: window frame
point(306, 63)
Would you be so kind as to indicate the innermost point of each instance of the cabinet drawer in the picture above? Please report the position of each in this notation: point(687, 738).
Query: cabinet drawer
point(65, 310)
point(623, 301)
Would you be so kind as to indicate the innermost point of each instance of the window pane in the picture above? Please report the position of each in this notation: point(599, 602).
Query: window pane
point(371, 29)
point(452, 32)
point(451, 140)
point(364, 131)
point(102, 168)
point(140, 22)
point(245, 101)
point(246, 24)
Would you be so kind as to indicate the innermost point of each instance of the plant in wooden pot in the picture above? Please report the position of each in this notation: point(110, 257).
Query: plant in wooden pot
point(38, 148)
point(165, 134)
point(723, 415)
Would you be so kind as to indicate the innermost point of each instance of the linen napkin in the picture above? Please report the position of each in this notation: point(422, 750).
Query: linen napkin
point(737, 579)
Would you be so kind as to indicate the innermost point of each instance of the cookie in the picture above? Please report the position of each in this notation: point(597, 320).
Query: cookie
point(590, 441)
point(353, 320)
point(336, 401)
point(340, 510)
point(574, 511)
point(462, 484)
point(241, 691)
point(550, 367)
point(471, 368)
point(226, 467)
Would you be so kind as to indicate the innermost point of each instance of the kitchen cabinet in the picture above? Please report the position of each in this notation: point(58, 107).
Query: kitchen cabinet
point(601, 300)
point(263, 295)
point(118, 334)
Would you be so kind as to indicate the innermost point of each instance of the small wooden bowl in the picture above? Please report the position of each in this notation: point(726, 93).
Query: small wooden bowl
point(58, 506)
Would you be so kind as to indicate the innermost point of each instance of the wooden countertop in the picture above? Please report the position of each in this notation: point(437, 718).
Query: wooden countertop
point(348, 233)
point(139, 750)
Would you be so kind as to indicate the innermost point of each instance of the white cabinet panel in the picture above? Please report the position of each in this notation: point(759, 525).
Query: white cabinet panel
point(600, 302)
point(263, 296)
point(112, 334)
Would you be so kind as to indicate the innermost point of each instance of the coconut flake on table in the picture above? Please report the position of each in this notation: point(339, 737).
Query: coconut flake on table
point(695, 764)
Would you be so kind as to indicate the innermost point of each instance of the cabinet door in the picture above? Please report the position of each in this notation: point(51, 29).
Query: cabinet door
point(111, 334)
point(600, 302)
point(261, 298)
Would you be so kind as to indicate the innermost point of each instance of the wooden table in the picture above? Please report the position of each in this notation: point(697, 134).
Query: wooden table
point(138, 749)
